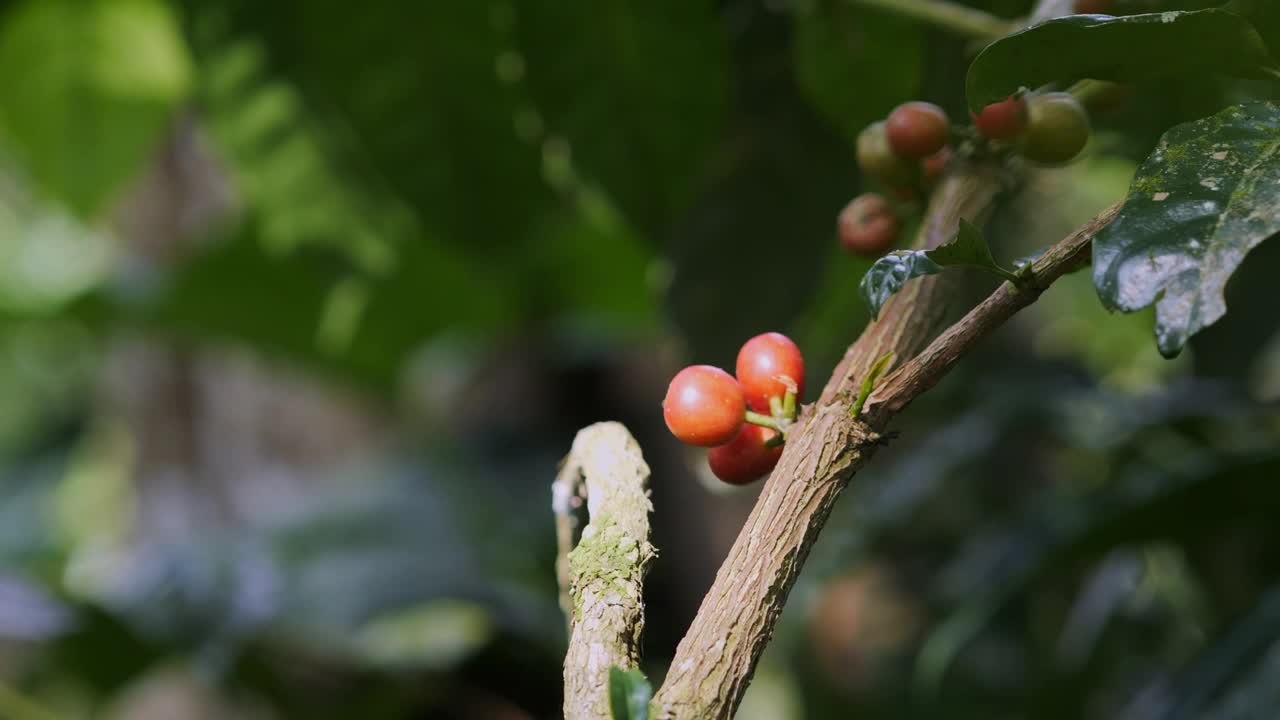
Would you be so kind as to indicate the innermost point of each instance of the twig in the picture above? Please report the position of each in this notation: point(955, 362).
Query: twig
point(1050, 9)
point(714, 662)
point(717, 656)
point(952, 17)
point(606, 570)
point(924, 371)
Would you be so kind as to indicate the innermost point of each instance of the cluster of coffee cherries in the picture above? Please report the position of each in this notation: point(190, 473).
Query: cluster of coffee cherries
point(912, 147)
point(743, 419)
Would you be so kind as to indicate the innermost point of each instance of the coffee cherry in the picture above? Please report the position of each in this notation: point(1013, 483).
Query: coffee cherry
point(768, 366)
point(916, 130)
point(932, 167)
point(1104, 98)
point(745, 458)
point(1057, 128)
point(879, 162)
point(1092, 7)
point(704, 406)
point(868, 225)
point(1004, 120)
point(861, 625)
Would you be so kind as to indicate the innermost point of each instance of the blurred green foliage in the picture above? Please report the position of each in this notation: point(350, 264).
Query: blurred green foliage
point(497, 221)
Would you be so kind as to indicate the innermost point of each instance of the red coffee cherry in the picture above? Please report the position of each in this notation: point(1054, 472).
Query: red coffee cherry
point(880, 163)
point(769, 365)
point(868, 225)
point(1004, 120)
point(1092, 7)
point(704, 406)
point(1057, 128)
point(745, 458)
point(916, 130)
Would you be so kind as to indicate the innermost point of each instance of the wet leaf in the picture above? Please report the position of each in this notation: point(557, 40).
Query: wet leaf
point(891, 272)
point(1208, 195)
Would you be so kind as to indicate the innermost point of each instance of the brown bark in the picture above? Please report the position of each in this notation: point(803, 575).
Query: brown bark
point(715, 660)
point(606, 570)
point(916, 377)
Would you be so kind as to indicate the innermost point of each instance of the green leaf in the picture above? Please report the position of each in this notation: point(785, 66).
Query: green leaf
point(32, 230)
point(655, 74)
point(86, 90)
point(890, 273)
point(1236, 676)
point(969, 249)
point(437, 634)
point(1265, 16)
point(838, 47)
point(358, 253)
point(629, 693)
point(1119, 49)
point(1055, 532)
point(869, 383)
point(1208, 195)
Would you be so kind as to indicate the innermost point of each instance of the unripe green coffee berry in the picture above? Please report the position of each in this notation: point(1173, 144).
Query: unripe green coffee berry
point(878, 161)
point(1057, 129)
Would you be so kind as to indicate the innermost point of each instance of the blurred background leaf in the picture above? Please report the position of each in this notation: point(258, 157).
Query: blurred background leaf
point(109, 75)
point(301, 303)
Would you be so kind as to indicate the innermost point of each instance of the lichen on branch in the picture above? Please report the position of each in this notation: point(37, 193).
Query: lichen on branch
point(605, 571)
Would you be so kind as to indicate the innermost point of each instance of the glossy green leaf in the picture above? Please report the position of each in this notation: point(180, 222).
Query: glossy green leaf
point(87, 90)
point(1208, 195)
point(890, 273)
point(629, 693)
point(1117, 48)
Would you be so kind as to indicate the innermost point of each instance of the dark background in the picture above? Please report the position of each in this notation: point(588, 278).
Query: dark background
point(301, 303)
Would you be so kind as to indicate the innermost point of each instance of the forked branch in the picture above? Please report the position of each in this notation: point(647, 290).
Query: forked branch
point(715, 660)
point(602, 577)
